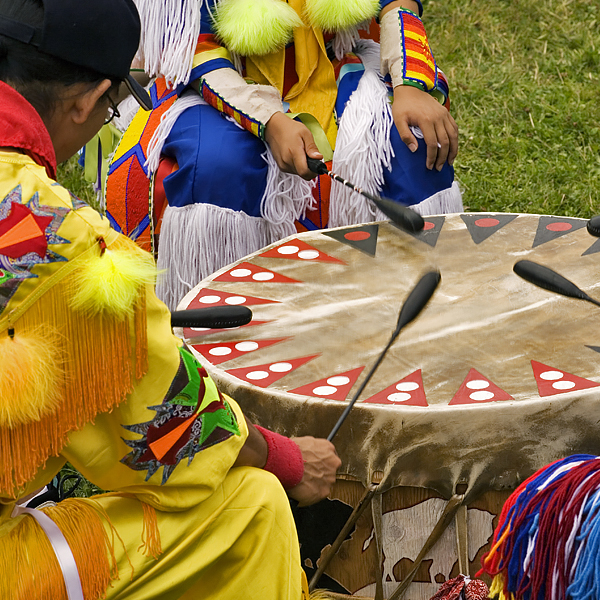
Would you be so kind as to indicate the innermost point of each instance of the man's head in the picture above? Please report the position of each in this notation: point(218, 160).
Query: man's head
point(67, 57)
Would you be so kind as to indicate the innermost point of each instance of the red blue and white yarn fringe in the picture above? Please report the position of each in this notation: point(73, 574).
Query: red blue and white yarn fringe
point(547, 542)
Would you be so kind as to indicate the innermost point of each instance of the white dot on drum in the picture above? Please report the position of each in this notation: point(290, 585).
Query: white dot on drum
point(338, 380)
point(282, 367)
point(200, 328)
point(552, 375)
point(234, 300)
point(407, 386)
point(325, 390)
point(209, 299)
point(308, 254)
point(240, 272)
point(256, 375)
point(563, 385)
point(220, 351)
point(263, 276)
point(288, 249)
point(478, 384)
point(399, 397)
point(478, 396)
point(246, 346)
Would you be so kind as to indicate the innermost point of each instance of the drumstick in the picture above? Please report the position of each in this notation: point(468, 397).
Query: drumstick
point(212, 317)
point(548, 279)
point(593, 226)
point(401, 215)
point(413, 305)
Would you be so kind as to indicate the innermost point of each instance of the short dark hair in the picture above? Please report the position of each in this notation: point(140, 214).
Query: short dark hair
point(37, 76)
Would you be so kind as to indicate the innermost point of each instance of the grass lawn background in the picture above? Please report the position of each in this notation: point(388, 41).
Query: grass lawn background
point(525, 90)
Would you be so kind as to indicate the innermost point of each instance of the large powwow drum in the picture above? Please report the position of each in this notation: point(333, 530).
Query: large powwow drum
point(493, 380)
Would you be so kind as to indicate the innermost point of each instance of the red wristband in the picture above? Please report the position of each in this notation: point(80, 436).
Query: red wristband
point(284, 459)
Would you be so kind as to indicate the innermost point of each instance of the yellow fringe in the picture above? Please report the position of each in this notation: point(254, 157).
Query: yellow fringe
point(103, 356)
point(34, 571)
point(497, 589)
point(29, 377)
point(151, 544)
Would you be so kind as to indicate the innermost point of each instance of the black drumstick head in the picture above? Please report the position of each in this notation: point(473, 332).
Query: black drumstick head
point(401, 215)
point(548, 279)
point(213, 317)
point(418, 298)
point(593, 226)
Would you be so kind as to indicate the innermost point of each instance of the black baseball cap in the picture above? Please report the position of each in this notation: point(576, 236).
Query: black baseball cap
point(101, 35)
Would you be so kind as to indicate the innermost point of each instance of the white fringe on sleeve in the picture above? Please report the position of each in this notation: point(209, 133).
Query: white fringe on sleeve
point(170, 30)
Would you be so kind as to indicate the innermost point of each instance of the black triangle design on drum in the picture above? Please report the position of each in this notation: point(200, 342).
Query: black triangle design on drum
point(551, 228)
point(363, 238)
point(431, 231)
point(595, 247)
point(481, 226)
point(594, 348)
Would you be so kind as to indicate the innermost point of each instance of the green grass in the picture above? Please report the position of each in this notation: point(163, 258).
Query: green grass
point(524, 80)
point(70, 175)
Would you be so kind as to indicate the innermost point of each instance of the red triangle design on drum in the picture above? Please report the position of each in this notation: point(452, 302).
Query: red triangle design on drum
point(191, 333)
point(334, 387)
point(477, 389)
point(267, 374)
point(218, 353)
point(552, 381)
point(406, 392)
point(247, 272)
point(207, 297)
point(297, 249)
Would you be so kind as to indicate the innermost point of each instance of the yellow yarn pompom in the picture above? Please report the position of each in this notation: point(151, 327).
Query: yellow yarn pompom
point(29, 377)
point(110, 282)
point(337, 15)
point(255, 27)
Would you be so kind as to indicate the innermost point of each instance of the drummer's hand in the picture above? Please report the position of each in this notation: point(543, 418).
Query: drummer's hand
point(290, 141)
point(415, 107)
point(321, 463)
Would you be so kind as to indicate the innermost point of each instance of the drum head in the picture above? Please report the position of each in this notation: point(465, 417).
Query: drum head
point(494, 379)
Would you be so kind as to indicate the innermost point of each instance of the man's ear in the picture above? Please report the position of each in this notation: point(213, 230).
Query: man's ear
point(85, 104)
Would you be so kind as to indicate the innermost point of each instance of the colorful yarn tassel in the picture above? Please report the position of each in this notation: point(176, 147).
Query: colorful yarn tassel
point(547, 543)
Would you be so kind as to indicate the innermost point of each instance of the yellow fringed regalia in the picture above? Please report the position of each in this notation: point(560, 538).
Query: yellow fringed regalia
point(92, 374)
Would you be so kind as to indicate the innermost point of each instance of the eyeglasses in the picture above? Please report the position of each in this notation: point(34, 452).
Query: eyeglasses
point(113, 111)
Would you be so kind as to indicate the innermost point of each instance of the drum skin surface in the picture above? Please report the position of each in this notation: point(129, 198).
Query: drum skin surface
point(493, 380)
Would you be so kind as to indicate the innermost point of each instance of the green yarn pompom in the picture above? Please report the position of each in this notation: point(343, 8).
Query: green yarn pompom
point(337, 15)
point(255, 27)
